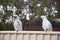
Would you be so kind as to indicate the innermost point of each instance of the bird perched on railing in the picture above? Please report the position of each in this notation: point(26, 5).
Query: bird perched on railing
point(46, 24)
point(17, 24)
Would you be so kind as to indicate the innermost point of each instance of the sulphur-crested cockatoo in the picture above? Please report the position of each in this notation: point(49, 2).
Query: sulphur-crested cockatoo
point(46, 25)
point(17, 24)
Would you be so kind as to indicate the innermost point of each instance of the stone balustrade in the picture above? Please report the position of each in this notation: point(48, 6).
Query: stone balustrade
point(29, 35)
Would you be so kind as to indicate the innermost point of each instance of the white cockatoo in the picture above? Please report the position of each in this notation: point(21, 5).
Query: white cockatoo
point(17, 24)
point(46, 25)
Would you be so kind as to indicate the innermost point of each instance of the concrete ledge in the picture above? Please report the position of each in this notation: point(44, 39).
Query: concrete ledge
point(29, 35)
point(30, 32)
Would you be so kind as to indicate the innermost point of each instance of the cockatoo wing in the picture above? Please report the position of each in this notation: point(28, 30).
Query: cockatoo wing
point(20, 25)
point(15, 25)
point(50, 26)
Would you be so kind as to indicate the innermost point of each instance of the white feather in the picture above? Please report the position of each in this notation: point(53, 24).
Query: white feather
point(46, 25)
point(17, 24)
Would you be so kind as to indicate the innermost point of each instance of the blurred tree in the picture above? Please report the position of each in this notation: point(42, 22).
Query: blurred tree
point(36, 8)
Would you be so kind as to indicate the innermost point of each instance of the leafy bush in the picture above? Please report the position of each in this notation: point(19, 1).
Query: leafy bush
point(7, 26)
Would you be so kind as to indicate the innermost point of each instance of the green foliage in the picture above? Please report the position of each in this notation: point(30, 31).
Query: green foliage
point(7, 26)
point(38, 11)
point(6, 2)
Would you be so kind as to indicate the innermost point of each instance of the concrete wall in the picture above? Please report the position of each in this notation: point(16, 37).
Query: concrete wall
point(29, 35)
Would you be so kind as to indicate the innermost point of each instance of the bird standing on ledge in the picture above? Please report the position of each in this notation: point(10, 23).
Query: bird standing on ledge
point(46, 25)
point(17, 24)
